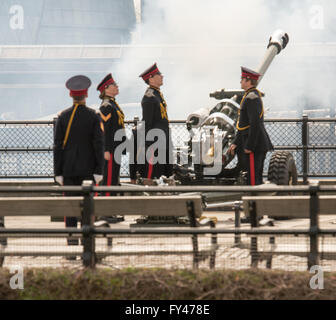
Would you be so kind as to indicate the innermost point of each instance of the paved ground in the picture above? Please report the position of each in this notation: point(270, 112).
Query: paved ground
point(168, 251)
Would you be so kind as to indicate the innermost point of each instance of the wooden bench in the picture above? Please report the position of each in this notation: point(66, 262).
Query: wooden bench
point(103, 206)
point(293, 207)
point(24, 184)
point(289, 206)
point(177, 205)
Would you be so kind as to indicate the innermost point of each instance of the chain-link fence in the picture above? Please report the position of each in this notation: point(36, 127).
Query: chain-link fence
point(118, 251)
point(39, 251)
point(26, 147)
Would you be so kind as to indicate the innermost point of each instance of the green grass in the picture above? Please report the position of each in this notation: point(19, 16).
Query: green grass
point(156, 284)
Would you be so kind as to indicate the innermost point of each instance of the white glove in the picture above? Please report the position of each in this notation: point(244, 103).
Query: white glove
point(59, 180)
point(97, 178)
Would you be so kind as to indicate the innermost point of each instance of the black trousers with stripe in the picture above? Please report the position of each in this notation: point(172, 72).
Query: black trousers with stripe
point(155, 171)
point(111, 172)
point(259, 159)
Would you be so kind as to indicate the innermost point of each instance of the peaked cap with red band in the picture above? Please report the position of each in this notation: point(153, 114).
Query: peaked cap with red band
point(108, 80)
point(78, 86)
point(250, 74)
point(150, 72)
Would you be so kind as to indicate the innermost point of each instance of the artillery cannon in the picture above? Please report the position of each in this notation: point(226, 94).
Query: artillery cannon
point(212, 130)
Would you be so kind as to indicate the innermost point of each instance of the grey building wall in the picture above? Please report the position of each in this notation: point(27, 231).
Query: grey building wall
point(31, 88)
point(68, 22)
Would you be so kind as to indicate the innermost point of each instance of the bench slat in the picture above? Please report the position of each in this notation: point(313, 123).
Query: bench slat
point(148, 206)
point(289, 206)
point(104, 206)
point(41, 206)
point(102, 254)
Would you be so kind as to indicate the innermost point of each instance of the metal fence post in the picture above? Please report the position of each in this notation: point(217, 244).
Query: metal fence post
point(305, 155)
point(236, 208)
point(89, 254)
point(254, 240)
point(54, 134)
point(192, 217)
point(190, 144)
point(270, 257)
point(313, 257)
point(214, 244)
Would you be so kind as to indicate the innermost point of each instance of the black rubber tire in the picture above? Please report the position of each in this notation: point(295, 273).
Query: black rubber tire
point(282, 169)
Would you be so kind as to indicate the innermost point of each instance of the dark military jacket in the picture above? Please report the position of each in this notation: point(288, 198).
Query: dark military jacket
point(83, 154)
point(154, 111)
point(113, 120)
point(251, 133)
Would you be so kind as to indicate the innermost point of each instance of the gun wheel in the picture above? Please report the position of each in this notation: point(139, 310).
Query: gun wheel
point(282, 169)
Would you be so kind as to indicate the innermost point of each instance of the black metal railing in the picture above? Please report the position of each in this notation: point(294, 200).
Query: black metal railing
point(26, 146)
point(89, 232)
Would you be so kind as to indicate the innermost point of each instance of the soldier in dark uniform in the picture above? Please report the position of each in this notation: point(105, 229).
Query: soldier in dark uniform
point(113, 119)
point(154, 114)
point(252, 141)
point(78, 142)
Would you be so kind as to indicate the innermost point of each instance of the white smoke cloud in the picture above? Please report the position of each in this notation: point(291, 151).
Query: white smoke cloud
point(200, 45)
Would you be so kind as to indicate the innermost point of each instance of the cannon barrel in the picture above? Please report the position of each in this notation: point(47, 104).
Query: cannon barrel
point(277, 43)
point(226, 93)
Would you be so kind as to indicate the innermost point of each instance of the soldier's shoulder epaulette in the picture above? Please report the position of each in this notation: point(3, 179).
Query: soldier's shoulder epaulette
point(252, 95)
point(149, 93)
